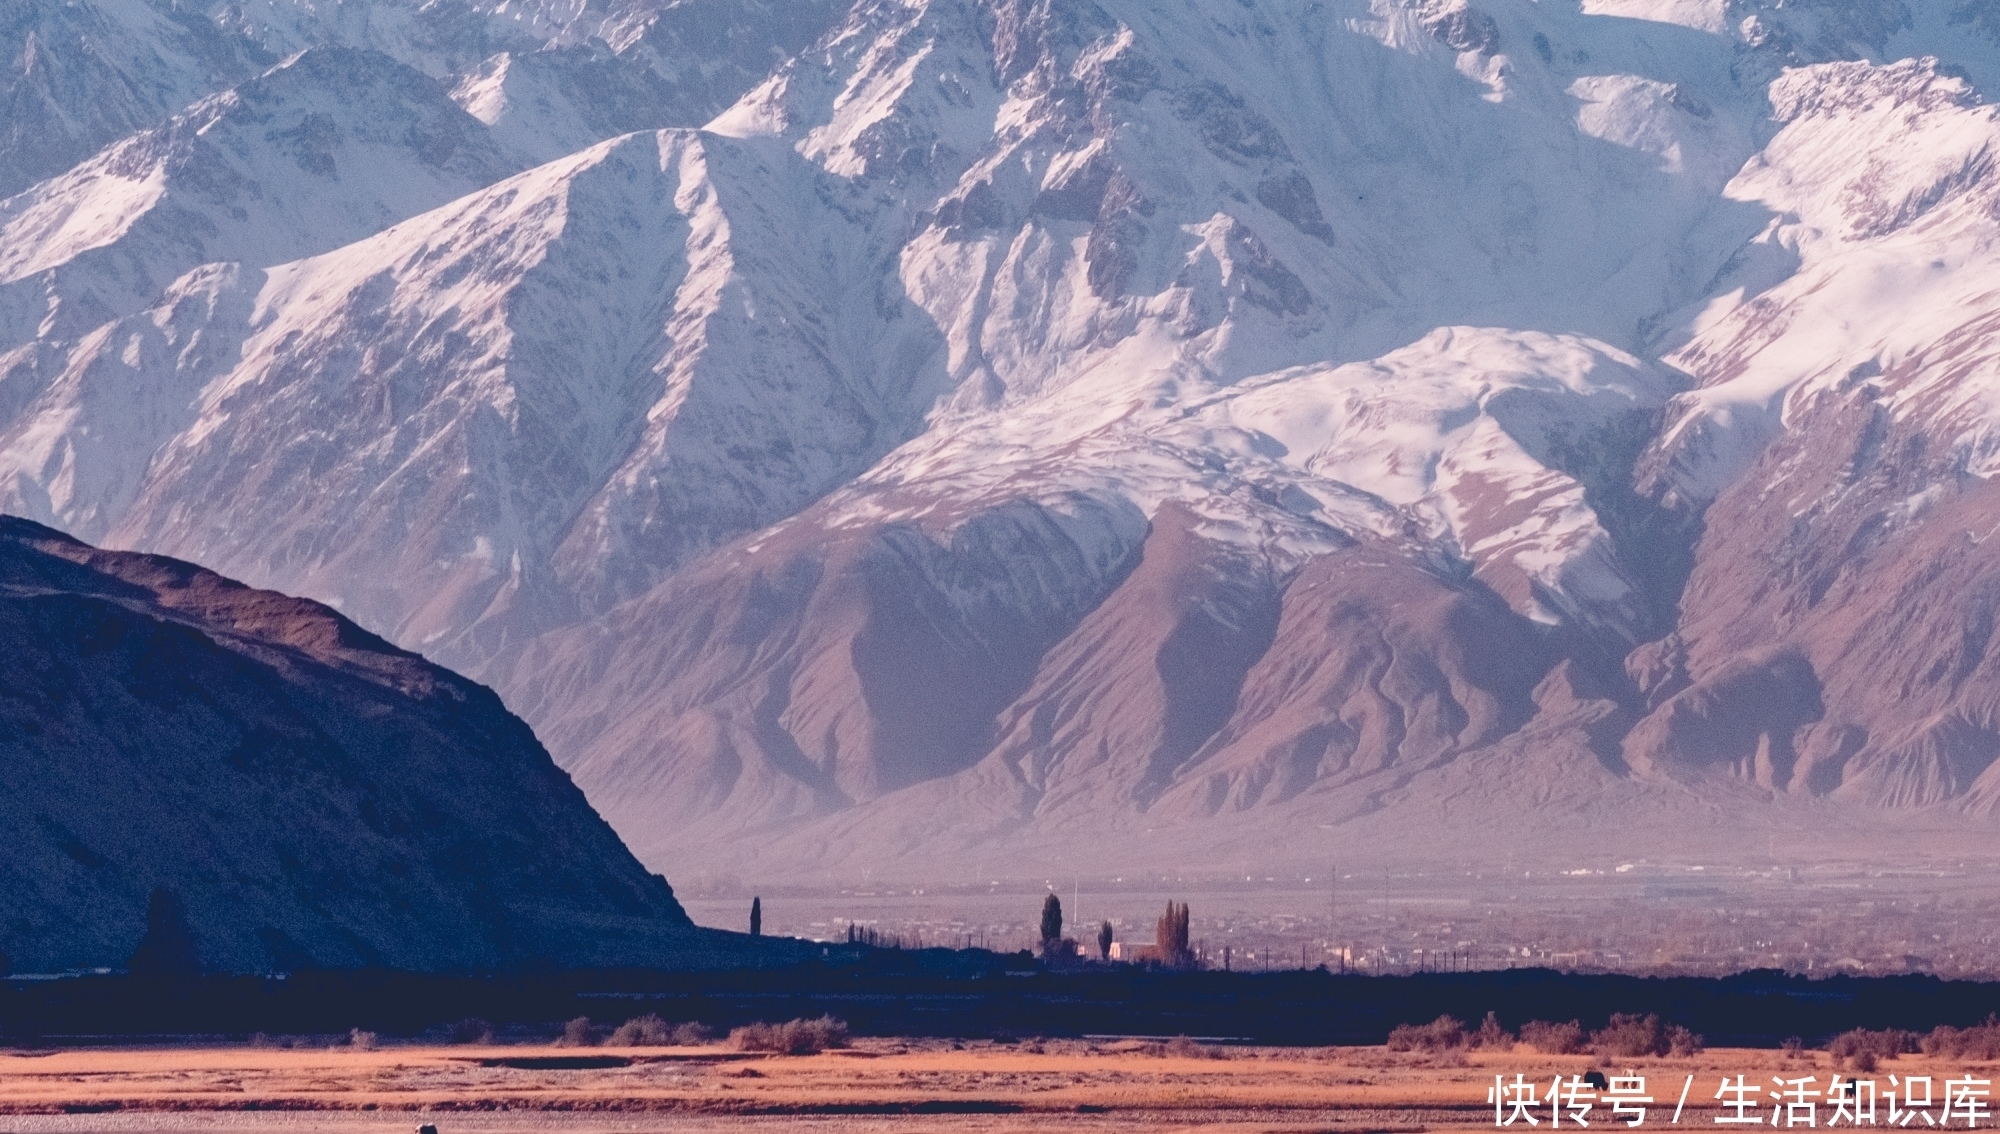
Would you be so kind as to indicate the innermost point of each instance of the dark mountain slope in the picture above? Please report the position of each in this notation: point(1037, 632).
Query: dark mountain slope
point(314, 795)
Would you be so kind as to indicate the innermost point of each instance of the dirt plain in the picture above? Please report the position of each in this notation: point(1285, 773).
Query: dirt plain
point(876, 1085)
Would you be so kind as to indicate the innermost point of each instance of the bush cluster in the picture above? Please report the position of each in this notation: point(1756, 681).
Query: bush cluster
point(1630, 1036)
point(1442, 1034)
point(1551, 1038)
point(651, 1031)
point(794, 1037)
point(1862, 1049)
point(1491, 1036)
point(1681, 1041)
point(691, 1035)
point(1447, 1033)
point(640, 1031)
point(577, 1033)
point(1981, 1041)
point(1626, 1035)
point(1181, 1047)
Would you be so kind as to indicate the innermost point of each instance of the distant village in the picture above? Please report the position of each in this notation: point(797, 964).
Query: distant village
point(1649, 920)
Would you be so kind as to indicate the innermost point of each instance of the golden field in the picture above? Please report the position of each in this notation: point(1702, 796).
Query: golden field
point(875, 1085)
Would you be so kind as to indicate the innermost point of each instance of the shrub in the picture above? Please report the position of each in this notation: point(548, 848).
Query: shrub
point(1441, 1034)
point(1793, 1047)
point(1682, 1042)
point(1491, 1036)
point(1629, 1036)
point(794, 1037)
point(577, 1033)
point(1181, 1047)
point(361, 1041)
point(1852, 1046)
point(1979, 1042)
point(691, 1035)
point(641, 1031)
point(1553, 1039)
point(651, 1031)
point(1943, 1040)
point(471, 1030)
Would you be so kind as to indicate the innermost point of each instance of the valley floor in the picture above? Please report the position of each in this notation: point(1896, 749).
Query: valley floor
point(884, 1085)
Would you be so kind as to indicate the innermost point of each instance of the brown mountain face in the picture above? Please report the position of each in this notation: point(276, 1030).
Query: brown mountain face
point(313, 795)
point(1837, 633)
point(1181, 682)
point(813, 670)
point(1830, 652)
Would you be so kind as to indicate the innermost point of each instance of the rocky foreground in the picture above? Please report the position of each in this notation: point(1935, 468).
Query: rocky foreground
point(311, 795)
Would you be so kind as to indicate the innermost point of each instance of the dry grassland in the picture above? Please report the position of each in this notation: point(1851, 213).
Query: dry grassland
point(878, 1085)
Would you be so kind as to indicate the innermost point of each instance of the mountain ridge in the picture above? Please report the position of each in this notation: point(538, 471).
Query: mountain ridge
point(1027, 419)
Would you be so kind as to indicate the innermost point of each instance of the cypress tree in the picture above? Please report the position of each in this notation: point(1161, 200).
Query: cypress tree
point(756, 917)
point(168, 949)
point(1170, 936)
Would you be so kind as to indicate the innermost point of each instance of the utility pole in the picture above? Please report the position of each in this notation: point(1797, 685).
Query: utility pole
point(1332, 902)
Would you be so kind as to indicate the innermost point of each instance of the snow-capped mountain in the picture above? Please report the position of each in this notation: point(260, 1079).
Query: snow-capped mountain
point(1003, 420)
point(80, 76)
point(331, 146)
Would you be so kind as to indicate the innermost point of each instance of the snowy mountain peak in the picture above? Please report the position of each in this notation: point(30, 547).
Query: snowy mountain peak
point(374, 140)
point(1002, 414)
